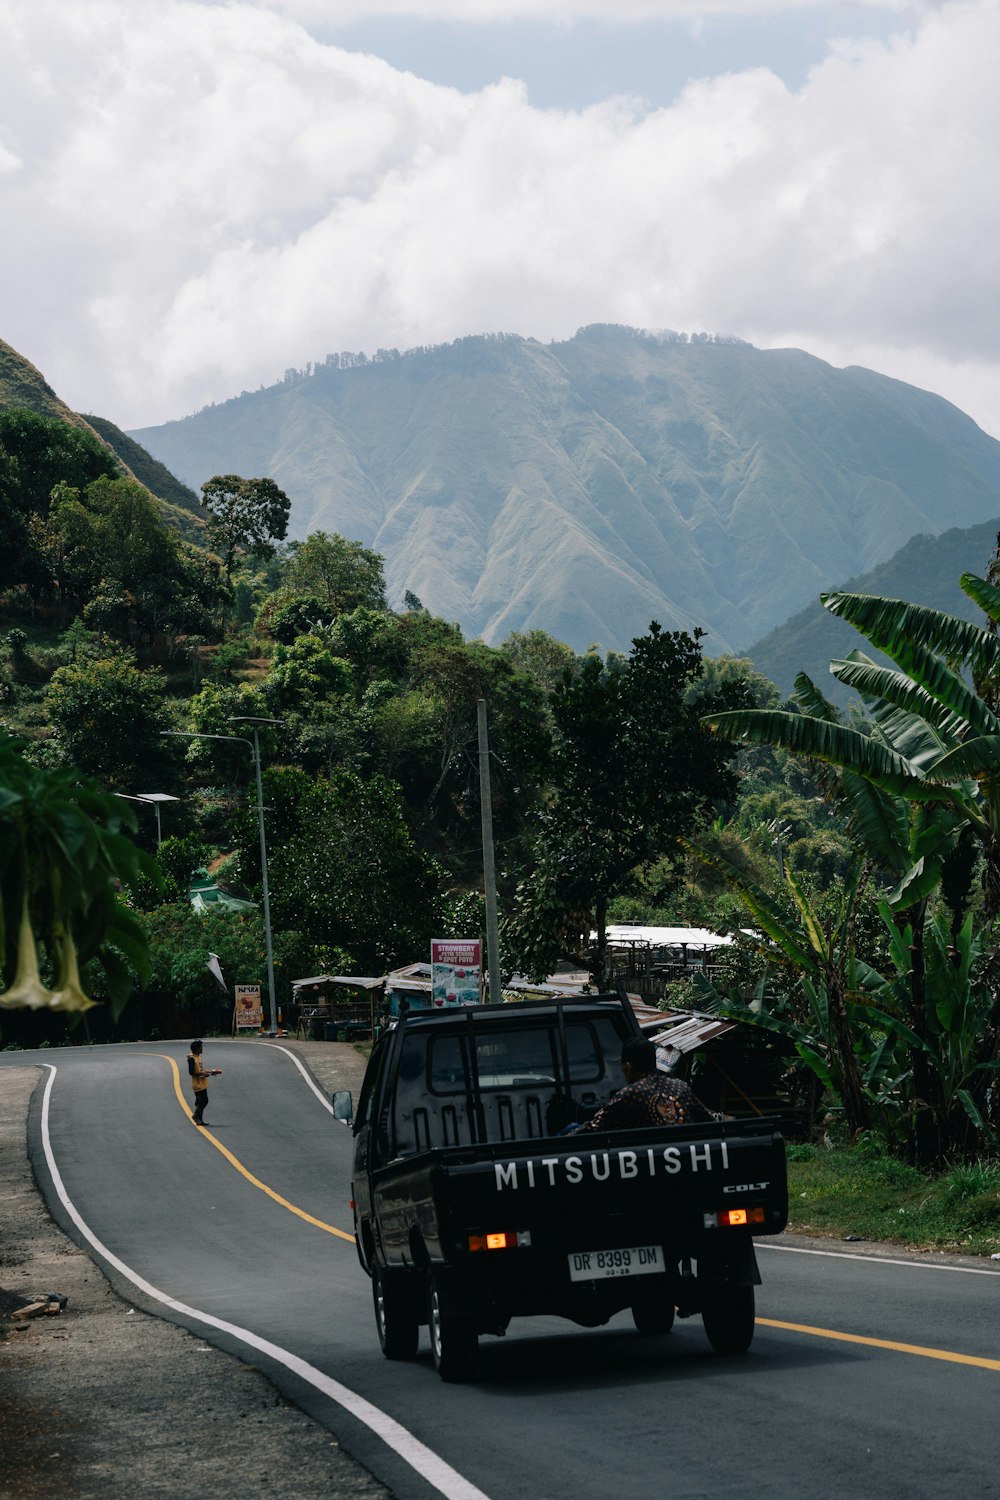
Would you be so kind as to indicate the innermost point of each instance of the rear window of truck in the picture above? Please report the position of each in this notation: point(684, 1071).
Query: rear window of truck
point(523, 1058)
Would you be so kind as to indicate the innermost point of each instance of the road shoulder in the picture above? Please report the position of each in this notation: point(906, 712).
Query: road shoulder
point(105, 1400)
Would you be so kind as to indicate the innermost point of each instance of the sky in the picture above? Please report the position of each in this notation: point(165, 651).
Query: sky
point(196, 195)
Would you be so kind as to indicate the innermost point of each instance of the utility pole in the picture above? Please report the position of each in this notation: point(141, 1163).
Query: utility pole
point(254, 745)
point(489, 867)
point(254, 722)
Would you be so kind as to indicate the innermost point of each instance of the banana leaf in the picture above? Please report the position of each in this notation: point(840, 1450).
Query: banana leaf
point(951, 717)
point(895, 627)
point(982, 593)
point(978, 757)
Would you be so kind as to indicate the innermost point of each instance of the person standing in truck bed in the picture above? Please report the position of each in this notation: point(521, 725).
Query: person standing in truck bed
point(649, 1096)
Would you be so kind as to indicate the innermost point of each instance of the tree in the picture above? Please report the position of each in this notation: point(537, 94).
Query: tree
point(541, 655)
point(631, 771)
point(47, 451)
point(62, 857)
point(303, 674)
point(342, 574)
point(343, 867)
point(922, 790)
point(247, 515)
point(36, 454)
point(181, 991)
point(109, 719)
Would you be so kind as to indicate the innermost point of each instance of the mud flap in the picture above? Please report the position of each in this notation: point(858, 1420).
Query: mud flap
point(733, 1263)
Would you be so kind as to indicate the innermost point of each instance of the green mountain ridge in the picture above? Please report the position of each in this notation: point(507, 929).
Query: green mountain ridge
point(925, 571)
point(22, 385)
point(590, 485)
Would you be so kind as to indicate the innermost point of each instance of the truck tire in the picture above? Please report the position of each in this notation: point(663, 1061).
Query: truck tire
point(728, 1316)
point(653, 1316)
point(395, 1316)
point(454, 1341)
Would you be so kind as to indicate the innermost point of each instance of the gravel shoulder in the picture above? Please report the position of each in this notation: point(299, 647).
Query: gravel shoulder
point(108, 1401)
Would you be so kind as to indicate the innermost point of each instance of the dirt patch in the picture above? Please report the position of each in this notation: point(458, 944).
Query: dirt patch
point(107, 1401)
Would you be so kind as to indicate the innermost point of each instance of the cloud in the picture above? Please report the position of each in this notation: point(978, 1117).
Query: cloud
point(196, 197)
point(332, 13)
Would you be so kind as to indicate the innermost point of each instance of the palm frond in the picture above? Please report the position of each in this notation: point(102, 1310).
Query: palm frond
point(982, 593)
point(895, 627)
point(933, 693)
point(811, 701)
point(816, 739)
point(979, 757)
point(759, 904)
point(879, 821)
point(913, 739)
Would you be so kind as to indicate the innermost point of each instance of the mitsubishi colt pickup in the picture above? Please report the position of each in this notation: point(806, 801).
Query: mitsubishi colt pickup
point(473, 1206)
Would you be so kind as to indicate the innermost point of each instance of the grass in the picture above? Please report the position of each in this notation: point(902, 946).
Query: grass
point(862, 1194)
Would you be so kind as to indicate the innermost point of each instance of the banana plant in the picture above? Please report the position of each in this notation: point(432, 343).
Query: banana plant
point(831, 980)
point(957, 1038)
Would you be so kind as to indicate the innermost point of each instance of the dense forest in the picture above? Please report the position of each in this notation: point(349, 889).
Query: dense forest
point(656, 784)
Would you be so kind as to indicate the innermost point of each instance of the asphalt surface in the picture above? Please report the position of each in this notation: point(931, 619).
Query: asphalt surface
point(815, 1410)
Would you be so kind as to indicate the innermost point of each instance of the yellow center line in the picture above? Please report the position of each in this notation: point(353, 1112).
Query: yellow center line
point(203, 1130)
point(856, 1338)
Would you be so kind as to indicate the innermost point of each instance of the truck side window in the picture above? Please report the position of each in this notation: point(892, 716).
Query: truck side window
point(447, 1065)
point(583, 1053)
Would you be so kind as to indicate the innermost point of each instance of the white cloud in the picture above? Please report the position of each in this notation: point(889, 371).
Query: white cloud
point(199, 196)
point(331, 13)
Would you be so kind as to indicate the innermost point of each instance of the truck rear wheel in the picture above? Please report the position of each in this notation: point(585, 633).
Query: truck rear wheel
point(395, 1316)
point(454, 1341)
point(653, 1315)
point(728, 1316)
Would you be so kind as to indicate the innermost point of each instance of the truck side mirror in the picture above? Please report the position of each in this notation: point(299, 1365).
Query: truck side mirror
point(343, 1108)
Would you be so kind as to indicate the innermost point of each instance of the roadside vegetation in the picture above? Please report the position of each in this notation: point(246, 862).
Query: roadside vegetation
point(861, 1193)
point(853, 854)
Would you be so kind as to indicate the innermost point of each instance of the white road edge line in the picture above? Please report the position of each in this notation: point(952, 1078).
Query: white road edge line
point(878, 1260)
point(446, 1480)
point(305, 1074)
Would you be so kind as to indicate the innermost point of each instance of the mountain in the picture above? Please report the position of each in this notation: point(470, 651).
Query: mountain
point(22, 385)
point(592, 485)
point(925, 571)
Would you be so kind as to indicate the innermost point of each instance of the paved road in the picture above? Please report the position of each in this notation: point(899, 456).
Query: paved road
point(556, 1412)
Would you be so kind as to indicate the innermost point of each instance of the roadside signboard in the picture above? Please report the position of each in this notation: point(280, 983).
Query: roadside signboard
point(248, 1013)
point(456, 971)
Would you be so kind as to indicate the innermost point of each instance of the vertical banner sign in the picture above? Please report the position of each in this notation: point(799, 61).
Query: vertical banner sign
point(456, 967)
point(248, 1013)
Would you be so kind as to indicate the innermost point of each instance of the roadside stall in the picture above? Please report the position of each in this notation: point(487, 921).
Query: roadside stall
point(336, 1007)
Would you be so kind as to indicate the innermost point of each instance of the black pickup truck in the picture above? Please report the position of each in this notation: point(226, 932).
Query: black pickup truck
point(472, 1207)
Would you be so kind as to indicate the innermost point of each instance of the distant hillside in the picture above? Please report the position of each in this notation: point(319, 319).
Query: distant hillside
point(590, 486)
point(925, 571)
point(21, 385)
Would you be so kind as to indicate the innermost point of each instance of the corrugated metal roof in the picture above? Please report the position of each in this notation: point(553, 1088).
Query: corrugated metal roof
point(359, 981)
point(685, 1032)
point(664, 937)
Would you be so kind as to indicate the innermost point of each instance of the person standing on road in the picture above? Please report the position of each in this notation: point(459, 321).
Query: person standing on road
point(199, 1079)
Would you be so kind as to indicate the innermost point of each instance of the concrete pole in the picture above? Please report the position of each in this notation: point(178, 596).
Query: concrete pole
point(263, 872)
point(489, 867)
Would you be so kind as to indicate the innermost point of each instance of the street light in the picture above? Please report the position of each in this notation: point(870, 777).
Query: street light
point(155, 798)
point(238, 739)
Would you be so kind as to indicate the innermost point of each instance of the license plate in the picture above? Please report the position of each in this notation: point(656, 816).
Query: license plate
point(598, 1265)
